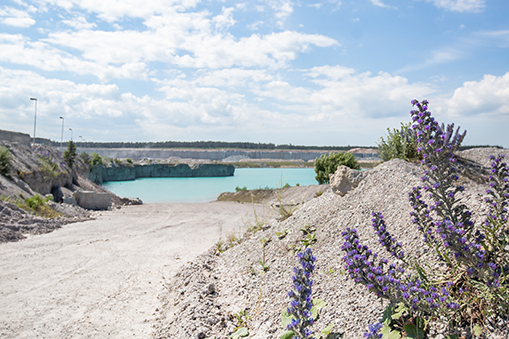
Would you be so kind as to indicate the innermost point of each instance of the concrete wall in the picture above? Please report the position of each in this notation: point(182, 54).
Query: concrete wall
point(21, 138)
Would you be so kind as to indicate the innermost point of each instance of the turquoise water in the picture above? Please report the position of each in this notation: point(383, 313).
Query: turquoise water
point(153, 190)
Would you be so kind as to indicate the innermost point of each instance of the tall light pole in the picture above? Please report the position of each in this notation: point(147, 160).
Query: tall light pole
point(35, 116)
point(70, 129)
point(62, 135)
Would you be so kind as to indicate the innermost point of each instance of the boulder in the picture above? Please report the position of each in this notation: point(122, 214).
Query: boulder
point(345, 179)
point(93, 200)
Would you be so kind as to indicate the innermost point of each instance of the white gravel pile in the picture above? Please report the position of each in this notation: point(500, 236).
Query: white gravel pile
point(203, 297)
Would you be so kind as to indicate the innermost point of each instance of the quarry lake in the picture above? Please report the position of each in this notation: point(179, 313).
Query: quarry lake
point(160, 190)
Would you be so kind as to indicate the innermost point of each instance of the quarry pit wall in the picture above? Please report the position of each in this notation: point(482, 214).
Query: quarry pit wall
point(214, 155)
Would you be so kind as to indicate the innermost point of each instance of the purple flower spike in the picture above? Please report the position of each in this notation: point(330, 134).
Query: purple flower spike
point(300, 305)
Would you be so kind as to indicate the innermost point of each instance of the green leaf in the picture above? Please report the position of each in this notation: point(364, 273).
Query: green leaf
point(399, 311)
point(477, 330)
point(241, 332)
point(285, 318)
point(451, 336)
point(387, 316)
point(314, 313)
point(287, 335)
point(326, 331)
point(319, 303)
point(388, 333)
point(413, 331)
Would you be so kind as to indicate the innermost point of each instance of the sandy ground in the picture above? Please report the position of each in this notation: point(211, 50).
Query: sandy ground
point(101, 278)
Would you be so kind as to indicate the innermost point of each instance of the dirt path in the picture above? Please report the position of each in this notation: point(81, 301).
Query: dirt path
point(101, 278)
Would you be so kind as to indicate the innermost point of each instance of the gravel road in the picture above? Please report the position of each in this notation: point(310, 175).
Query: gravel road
point(101, 278)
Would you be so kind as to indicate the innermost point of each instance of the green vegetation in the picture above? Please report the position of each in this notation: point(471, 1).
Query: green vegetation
point(238, 189)
point(5, 161)
point(70, 154)
point(48, 168)
point(211, 145)
point(129, 161)
point(86, 158)
point(400, 144)
point(35, 205)
point(328, 164)
point(97, 159)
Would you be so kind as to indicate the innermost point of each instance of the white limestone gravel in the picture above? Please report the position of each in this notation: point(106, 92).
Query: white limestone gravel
point(201, 300)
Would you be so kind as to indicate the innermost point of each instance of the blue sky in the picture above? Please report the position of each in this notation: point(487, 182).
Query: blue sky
point(325, 72)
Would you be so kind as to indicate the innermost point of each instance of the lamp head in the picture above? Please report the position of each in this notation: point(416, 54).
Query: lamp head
point(33, 98)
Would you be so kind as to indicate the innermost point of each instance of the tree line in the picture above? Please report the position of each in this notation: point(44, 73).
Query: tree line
point(209, 145)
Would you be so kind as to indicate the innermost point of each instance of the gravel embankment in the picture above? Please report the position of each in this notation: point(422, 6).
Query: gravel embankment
point(203, 297)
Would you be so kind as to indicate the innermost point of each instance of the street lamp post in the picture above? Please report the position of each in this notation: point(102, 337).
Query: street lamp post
point(35, 117)
point(70, 129)
point(62, 135)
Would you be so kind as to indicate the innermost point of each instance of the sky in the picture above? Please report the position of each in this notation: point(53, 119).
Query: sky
point(319, 72)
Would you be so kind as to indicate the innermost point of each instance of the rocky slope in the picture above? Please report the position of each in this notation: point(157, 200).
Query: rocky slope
point(202, 299)
point(42, 171)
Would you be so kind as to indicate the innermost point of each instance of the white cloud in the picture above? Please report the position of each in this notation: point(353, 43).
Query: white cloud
point(176, 43)
point(14, 17)
point(79, 23)
point(225, 19)
point(379, 3)
point(460, 5)
point(18, 49)
point(489, 96)
point(344, 93)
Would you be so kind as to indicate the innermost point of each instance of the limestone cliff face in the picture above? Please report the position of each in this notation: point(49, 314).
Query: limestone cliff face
point(116, 172)
point(41, 168)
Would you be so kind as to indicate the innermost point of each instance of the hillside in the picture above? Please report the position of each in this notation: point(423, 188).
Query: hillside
point(204, 299)
point(42, 172)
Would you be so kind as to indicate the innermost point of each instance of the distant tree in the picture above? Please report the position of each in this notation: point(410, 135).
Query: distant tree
point(328, 164)
point(97, 159)
point(70, 154)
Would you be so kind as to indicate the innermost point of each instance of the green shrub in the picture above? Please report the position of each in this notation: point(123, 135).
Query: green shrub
point(117, 161)
point(70, 154)
point(129, 161)
point(400, 144)
point(97, 159)
point(36, 205)
point(86, 158)
point(238, 189)
point(5, 161)
point(48, 168)
point(328, 164)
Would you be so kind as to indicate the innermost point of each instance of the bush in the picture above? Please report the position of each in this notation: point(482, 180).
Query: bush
point(328, 164)
point(70, 154)
point(36, 205)
point(97, 159)
point(400, 144)
point(48, 168)
point(5, 161)
point(86, 158)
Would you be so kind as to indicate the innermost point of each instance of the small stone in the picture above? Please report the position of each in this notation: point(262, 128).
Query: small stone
point(211, 289)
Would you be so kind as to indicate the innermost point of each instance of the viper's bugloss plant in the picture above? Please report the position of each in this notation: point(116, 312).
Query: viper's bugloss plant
point(300, 295)
point(474, 284)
